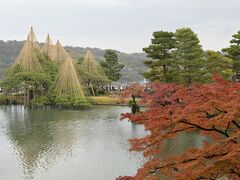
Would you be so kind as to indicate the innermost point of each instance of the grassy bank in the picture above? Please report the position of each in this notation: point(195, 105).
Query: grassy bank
point(107, 100)
point(96, 100)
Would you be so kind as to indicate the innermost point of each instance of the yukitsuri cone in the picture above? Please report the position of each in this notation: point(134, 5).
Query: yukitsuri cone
point(89, 63)
point(33, 40)
point(67, 82)
point(48, 46)
point(58, 54)
point(27, 58)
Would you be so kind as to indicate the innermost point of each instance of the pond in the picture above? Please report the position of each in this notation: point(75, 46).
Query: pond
point(52, 144)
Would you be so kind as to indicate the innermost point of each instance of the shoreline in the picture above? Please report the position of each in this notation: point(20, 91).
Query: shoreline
point(94, 100)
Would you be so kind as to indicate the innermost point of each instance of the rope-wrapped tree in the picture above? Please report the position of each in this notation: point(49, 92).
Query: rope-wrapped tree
point(33, 40)
point(29, 77)
point(48, 46)
point(27, 58)
point(67, 88)
point(38, 73)
point(92, 72)
point(58, 54)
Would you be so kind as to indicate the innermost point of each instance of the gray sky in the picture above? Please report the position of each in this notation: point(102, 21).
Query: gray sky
point(125, 25)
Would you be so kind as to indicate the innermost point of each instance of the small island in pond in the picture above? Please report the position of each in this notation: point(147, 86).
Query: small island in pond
point(48, 75)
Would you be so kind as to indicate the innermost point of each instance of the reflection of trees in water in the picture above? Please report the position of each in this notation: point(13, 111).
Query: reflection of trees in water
point(36, 136)
point(181, 143)
point(42, 137)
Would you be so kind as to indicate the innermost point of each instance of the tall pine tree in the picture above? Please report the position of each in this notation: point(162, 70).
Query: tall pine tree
point(160, 52)
point(111, 66)
point(217, 63)
point(233, 51)
point(189, 57)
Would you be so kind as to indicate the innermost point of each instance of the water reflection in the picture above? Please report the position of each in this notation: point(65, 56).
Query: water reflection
point(37, 138)
point(87, 144)
point(181, 143)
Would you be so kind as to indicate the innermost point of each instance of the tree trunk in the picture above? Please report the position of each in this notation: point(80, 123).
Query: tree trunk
point(91, 86)
point(28, 96)
point(24, 96)
point(42, 89)
point(189, 81)
point(164, 73)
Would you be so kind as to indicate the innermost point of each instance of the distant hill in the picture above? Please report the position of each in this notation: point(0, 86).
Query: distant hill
point(134, 66)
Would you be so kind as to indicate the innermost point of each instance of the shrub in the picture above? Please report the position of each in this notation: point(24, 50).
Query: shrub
point(40, 101)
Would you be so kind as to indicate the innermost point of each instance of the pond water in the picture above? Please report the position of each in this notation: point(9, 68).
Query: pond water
point(51, 144)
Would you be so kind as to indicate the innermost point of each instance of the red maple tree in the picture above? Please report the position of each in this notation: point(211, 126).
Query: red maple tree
point(212, 110)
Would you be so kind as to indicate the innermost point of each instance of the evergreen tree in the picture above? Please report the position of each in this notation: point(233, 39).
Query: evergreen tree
point(160, 50)
point(80, 60)
point(111, 66)
point(233, 51)
point(49, 67)
point(32, 84)
point(91, 73)
point(189, 56)
point(11, 80)
point(217, 63)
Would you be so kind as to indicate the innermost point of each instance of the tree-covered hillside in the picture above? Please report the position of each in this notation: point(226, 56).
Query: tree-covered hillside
point(133, 62)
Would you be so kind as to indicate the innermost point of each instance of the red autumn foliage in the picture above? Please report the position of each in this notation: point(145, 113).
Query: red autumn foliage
point(212, 110)
point(134, 89)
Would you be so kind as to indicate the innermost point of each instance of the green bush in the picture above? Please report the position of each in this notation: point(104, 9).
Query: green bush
point(91, 100)
point(101, 92)
point(62, 101)
point(40, 101)
point(69, 101)
point(81, 102)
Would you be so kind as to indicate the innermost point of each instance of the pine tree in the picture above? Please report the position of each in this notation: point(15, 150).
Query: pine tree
point(67, 89)
point(217, 63)
point(32, 38)
point(27, 58)
point(91, 72)
point(48, 46)
point(160, 50)
point(111, 66)
point(58, 54)
point(233, 51)
point(189, 56)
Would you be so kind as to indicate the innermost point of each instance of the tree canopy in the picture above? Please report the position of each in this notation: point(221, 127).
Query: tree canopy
point(48, 46)
point(27, 58)
point(91, 73)
point(217, 63)
point(211, 110)
point(189, 56)
point(32, 38)
point(161, 52)
point(67, 83)
point(111, 66)
point(178, 57)
point(38, 75)
point(58, 54)
point(233, 51)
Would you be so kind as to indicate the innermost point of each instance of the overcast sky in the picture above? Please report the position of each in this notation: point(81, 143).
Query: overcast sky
point(125, 25)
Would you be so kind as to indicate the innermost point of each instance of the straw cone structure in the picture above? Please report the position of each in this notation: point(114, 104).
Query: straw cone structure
point(33, 40)
point(89, 63)
point(67, 83)
point(58, 54)
point(48, 46)
point(27, 58)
